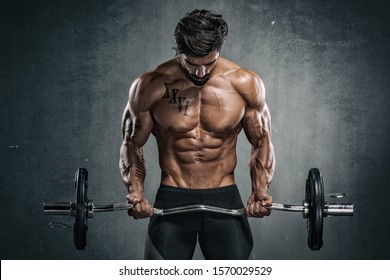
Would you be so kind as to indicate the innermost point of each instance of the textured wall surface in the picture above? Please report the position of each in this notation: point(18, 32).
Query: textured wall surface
point(66, 67)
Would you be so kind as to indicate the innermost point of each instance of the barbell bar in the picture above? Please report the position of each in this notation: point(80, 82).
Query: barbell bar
point(314, 208)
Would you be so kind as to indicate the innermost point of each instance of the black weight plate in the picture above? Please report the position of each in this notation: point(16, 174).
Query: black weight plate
point(81, 214)
point(315, 198)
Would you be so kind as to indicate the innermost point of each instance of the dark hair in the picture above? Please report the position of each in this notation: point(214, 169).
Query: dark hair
point(200, 32)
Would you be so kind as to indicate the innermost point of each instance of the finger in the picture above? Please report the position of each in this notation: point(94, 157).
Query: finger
point(268, 201)
point(267, 212)
point(259, 209)
point(130, 199)
point(133, 198)
point(264, 210)
point(140, 211)
point(145, 209)
point(138, 207)
point(250, 210)
point(151, 211)
point(148, 210)
point(247, 211)
point(132, 213)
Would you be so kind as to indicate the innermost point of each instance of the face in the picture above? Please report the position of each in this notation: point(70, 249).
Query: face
point(199, 68)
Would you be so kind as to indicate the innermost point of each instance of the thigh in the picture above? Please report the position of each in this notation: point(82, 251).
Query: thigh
point(173, 237)
point(226, 237)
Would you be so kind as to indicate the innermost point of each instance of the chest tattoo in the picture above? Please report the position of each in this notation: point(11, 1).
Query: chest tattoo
point(172, 95)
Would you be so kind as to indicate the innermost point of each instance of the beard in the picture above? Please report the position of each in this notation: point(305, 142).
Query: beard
point(199, 81)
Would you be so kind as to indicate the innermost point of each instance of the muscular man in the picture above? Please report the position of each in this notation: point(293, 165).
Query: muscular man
point(195, 105)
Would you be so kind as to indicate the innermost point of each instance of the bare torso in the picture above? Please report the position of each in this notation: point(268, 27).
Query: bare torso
point(196, 123)
point(196, 128)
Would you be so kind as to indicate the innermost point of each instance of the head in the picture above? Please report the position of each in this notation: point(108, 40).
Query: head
point(199, 37)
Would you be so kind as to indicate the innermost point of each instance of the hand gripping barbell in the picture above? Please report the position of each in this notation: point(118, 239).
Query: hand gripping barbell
point(314, 208)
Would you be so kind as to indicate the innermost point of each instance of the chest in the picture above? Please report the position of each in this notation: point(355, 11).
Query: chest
point(212, 108)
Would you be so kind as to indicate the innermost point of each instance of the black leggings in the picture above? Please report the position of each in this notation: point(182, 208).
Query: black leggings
point(220, 236)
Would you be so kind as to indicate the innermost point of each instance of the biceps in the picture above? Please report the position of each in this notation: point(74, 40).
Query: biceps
point(136, 126)
point(257, 126)
point(125, 125)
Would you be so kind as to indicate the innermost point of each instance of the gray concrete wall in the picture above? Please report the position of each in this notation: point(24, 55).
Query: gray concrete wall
point(66, 67)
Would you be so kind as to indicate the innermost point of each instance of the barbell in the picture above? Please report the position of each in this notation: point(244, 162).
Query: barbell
point(314, 208)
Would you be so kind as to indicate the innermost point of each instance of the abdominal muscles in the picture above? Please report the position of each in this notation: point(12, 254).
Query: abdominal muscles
point(198, 159)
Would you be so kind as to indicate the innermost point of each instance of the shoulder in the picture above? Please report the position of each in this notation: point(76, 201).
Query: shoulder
point(250, 86)
point(154, 78)
point(150, 86)
point(246, 82)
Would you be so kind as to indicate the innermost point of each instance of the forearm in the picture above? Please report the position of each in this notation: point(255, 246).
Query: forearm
point(132, 166)
point(262, 164)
